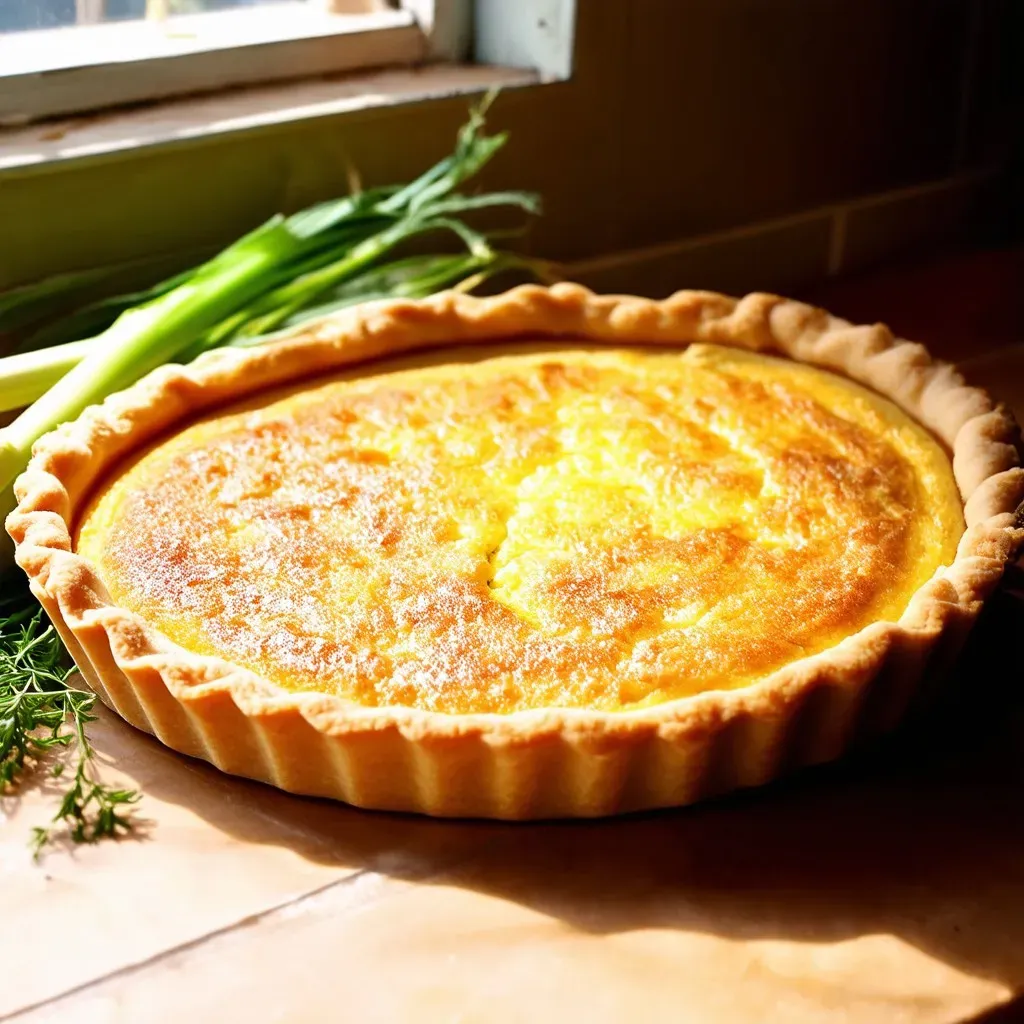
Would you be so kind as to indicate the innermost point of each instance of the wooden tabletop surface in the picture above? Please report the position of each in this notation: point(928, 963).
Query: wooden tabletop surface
point(886, 889)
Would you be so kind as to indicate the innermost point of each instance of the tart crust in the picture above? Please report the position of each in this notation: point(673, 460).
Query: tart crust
point(530, 763)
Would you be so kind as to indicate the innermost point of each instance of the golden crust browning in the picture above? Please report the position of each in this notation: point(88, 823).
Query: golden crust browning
point(573, 528)
point(539, 762)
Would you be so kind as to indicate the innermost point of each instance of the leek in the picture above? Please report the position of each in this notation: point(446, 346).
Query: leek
point(286, 271)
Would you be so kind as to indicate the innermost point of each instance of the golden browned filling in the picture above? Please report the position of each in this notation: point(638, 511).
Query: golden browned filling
point(574, 529)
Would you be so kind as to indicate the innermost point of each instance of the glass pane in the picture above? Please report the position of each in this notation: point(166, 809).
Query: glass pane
point(17, 14)
point(116, 10)
point(33, 14)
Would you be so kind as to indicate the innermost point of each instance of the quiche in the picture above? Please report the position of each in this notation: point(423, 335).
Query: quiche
point(542, 554)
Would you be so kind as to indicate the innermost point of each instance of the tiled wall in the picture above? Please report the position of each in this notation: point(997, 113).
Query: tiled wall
point(768, 143)
point(732, 144)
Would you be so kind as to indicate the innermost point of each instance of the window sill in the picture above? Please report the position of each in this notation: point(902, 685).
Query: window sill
point(55, 143)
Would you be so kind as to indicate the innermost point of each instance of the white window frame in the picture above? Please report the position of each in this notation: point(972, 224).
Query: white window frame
point(57, 72)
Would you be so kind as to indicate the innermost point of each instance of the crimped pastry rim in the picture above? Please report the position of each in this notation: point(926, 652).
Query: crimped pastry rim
point(66, 462)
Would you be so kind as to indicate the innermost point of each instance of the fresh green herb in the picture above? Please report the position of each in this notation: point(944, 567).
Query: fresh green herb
point(40, 712)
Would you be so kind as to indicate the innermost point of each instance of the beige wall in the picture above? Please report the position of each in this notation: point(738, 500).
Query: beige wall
point(754, 122)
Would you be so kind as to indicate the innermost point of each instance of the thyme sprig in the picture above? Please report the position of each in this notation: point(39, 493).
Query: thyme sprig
point(40, 712)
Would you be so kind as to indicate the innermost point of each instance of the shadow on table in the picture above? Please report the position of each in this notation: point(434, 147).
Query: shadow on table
point(922, 838)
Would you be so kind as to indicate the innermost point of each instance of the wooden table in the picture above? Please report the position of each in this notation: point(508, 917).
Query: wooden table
point(887, 889)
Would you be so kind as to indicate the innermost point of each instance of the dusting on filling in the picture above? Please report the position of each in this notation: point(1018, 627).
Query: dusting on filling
point(575, 529)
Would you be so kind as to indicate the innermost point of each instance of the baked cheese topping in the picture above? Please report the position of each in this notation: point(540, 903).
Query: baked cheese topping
point(586, 529)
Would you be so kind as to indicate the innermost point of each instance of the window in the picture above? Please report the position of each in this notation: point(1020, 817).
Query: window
point(33, 14)
point(69, 56)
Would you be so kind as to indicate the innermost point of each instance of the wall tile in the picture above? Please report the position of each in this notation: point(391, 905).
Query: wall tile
point(774, 258)
point(916, 222)
point(746, 109)
point(993, 112)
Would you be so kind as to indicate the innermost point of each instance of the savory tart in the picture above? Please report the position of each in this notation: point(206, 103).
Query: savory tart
point(579, 555)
